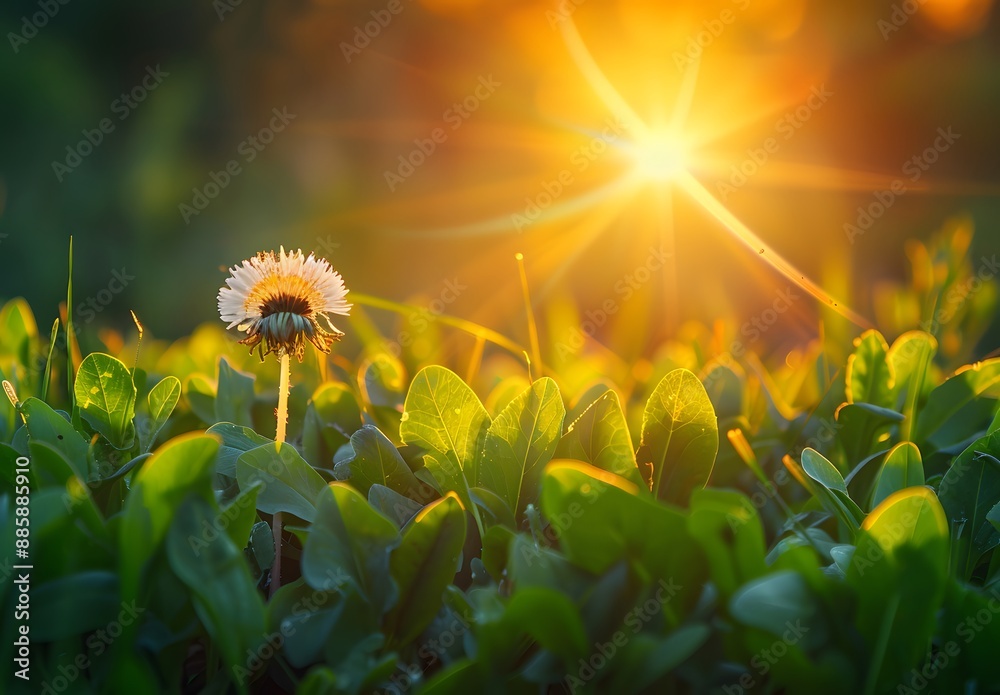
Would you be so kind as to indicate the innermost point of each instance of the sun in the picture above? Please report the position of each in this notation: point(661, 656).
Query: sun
point(659, 155)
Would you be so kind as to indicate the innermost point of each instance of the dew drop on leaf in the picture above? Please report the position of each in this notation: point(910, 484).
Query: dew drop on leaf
point(406, 416)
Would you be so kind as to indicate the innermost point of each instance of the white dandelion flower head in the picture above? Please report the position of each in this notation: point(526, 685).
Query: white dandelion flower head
point(281, 300)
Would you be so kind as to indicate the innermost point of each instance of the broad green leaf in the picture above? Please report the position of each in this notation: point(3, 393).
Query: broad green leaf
point(225, 596)
point(870, 377)
point(236, 441)
point(234, 397)
point(106, 395)
point(162, 400)
point(831, 488)
point(392, 504)
point(240, 516)
point(333, 627)
point(520, 441)
point(680, 436)
point(900, 563)
point(48, 426)
point(423, 565)
point(903, 468)
point(947, 400)
point(969, 491)
point(289, 484)
point(994, 516)
point(601, 438)
point(548, 617)
point(180, 468)
point(376, 461)
point(600, 520)
point(350, 543)
point(774, 602)
point(444, 416)
point(729, 531)
point(75, 605)
point(911, 358)
point(861, 424)
point(646, 659)
point(332, 416)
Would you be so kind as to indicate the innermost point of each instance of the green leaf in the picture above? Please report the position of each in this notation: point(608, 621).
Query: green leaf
point(900, 563)
point(860, 425)
point(162, 400)
point(225, 596)
point(376, 461)
point(520, 441)
point(423, 565)
point(180, 468)
point(75, 605)
point(903, 468)
point(870, 377)
point(728, 529)
point(647, 658)
point(831, 489)
point(234, 397)
point(680, 435)
point(289, 484)
point(106, 395)
point(948, 399)
point(773, 602)
point(332, 416)
point(601, 438)
point(600, 520)
point(392, 504)
point(548, 617)
point(969, 491)
point(444, 416)
point(350, 544)
point(236, 441)
point(48, 426)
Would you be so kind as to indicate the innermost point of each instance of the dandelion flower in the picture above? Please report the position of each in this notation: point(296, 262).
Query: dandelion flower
point(282, 300)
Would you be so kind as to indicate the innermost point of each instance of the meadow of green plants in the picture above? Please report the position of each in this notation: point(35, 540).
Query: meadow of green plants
point(704, 521)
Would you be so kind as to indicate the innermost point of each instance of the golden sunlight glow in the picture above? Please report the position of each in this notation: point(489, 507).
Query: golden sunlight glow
point(659, 156)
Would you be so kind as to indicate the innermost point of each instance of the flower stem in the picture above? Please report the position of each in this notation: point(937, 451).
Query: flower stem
point(283, 396)
point(279, 439)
